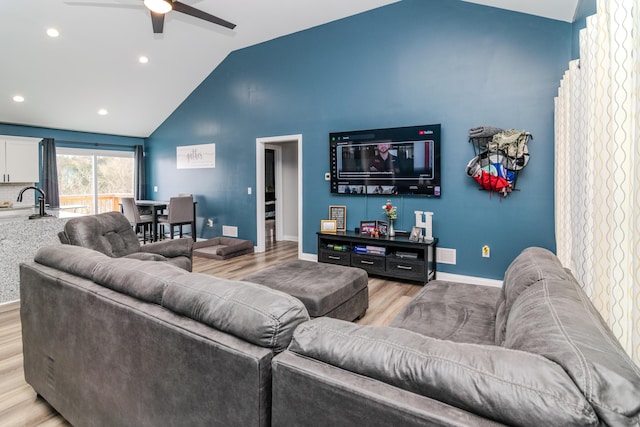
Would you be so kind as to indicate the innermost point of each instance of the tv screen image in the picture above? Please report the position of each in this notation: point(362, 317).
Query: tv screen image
point(403, 161)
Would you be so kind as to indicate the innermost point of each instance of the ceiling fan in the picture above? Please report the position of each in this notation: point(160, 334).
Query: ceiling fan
point(159, 8)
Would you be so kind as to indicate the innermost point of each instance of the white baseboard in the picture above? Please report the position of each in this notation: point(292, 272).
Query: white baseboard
point(290, 238)
point(450, 277)
point(309, 257)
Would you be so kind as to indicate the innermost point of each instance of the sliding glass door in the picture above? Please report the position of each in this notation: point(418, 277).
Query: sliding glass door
point(93, 181)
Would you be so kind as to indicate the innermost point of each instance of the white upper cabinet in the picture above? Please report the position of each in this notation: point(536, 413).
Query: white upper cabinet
point(19, 159)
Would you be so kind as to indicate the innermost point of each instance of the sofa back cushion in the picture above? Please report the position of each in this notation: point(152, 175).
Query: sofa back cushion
point(554, 318)
point(253, 312)
point(143, 280)
point(504, 385)
point(109, 233)
point(75, 260)
point(532, 265)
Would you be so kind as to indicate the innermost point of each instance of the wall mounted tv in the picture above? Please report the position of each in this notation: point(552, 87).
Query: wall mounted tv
point(402, 161)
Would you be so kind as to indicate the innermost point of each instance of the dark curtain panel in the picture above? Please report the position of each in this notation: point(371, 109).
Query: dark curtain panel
point(50, 173)
point(140, 190)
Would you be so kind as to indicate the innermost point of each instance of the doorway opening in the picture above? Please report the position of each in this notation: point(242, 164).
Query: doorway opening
point(286, 198)
point(270, 211)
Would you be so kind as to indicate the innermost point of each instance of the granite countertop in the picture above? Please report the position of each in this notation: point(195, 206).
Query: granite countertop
point(20, 238)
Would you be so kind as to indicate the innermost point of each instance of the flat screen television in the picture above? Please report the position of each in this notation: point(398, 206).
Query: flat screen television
point(392, 161)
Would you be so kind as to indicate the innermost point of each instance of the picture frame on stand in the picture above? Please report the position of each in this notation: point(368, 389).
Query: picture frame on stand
point(339, 214)
point(416, 234)
point(374, 228)
point(328, 226)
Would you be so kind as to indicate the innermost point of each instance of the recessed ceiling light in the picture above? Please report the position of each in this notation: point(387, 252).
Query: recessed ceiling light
point(18, 98)
point(52, 32)
point(103, 112)
point(143, 59)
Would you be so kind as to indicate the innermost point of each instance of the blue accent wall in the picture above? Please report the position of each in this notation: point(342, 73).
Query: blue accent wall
point(410, 63)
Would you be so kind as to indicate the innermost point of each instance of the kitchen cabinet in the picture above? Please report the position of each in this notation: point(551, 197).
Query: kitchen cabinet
point(19, 160)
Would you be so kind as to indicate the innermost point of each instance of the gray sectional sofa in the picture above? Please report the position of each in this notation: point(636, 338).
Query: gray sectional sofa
point(111, 342)
point(532, 353)
point(124, 342)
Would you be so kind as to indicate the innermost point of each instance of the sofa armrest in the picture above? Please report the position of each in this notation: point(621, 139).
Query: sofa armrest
point(312, 393)
point(514, 387)
point(170, 248)
point(64, 239)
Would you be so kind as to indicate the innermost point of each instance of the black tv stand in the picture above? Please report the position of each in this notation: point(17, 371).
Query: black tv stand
point(401, 258)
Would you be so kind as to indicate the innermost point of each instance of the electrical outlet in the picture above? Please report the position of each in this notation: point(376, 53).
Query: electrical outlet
point(486, 251)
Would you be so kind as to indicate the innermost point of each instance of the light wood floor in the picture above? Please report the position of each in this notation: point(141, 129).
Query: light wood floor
point(19, 404)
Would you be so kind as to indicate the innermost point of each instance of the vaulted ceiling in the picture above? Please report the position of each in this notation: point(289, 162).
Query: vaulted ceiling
point(94, 62)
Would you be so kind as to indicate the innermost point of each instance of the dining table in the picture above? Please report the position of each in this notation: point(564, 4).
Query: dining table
point(157, 207)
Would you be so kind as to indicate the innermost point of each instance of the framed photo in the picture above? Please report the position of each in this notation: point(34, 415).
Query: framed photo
point(373, 228)
point(416, 234)
point(328, 226)
point(367, 228)
point(339, 213)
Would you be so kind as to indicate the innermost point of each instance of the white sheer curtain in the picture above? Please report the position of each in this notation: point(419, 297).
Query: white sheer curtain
point(597, 169)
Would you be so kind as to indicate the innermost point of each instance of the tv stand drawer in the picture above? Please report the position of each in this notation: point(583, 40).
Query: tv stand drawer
point(408, 269)
point(372, 263)
point(335, 257)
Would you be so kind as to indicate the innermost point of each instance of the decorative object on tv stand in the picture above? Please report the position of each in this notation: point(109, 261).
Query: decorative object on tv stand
point(424, 220)
point(328, 226)
point(373, 228)
point(339, 213)
point(392, 213)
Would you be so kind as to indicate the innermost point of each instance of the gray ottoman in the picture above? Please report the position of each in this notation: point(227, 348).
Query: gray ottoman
point(324, 289)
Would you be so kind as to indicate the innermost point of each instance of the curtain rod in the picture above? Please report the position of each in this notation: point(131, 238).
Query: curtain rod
point(97, 144)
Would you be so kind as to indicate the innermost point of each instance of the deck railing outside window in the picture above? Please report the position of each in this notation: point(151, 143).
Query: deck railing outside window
point(83, 203)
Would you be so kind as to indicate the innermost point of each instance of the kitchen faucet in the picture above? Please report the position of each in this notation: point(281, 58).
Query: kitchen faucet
point(41, 212)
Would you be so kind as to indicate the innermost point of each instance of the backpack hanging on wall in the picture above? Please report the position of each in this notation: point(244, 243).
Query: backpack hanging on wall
point(498, 160)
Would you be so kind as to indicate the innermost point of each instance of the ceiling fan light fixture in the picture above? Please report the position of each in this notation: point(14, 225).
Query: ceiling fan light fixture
point(158, 6)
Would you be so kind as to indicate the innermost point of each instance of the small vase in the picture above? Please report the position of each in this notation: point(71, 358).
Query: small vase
point(392, 232)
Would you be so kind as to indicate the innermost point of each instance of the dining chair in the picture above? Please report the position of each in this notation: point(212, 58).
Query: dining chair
point(137, 220)
point(180, 213)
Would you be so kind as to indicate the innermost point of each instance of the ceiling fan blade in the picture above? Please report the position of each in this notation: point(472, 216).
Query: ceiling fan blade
point(111, 5)
point(157, 21)
point(192, 11)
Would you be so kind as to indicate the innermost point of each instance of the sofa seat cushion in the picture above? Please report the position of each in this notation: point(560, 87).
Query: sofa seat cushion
point(554, 318)
point(452, 311)
point(504, 385)
point(146, 256)
point(253, 312)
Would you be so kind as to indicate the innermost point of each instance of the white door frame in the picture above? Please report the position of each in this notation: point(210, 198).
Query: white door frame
point(261, 144)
